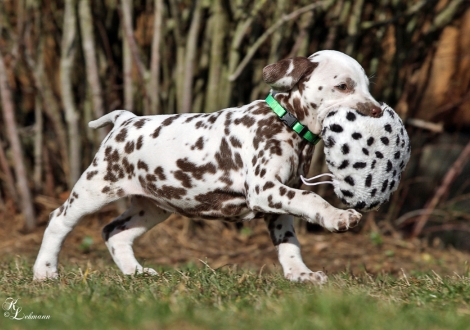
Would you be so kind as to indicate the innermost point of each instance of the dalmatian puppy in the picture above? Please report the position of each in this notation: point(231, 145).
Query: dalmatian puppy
point(236, 164)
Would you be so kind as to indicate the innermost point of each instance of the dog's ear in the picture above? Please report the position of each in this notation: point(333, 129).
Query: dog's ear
point(283, 75)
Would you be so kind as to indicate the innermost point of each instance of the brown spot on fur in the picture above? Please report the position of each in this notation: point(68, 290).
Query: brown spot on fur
point(142, 165)
point(196, 171)
point(159, 172)
point(140, 123)
point(273, 205)
point(268, 185)
point(246, 120)
point(156, 133)
point(291, 194)
point(199, 144)
point(91, 174)
point(130, 145)
point(122, 135)
point(128, 167)
point(184, 178)
point(169, 120)
point(139, 142)
point(235, 142)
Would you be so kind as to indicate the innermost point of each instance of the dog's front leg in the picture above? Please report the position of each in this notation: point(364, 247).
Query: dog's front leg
point(281, 230)
point(275, 197)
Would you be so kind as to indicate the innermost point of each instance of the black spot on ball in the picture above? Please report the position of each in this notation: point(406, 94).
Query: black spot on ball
point(372, 166)
point(356, 136)
point(351, 116)
point(359, 165)
point(388, 128)
point(391, 113)
point(332, 113)
point(343, 165)
point(370, 141)
point(379, 154)
point(360, 205)
point(365, 151)
point(372, 193)
point(385, 140)
point(329, 142)
point(347, 193)
point(349, 180)
point(336, 128)
point(389, 166)
point(384, 186)
point(345, 149)
point(397, 155)
point(392, 184)
point(369, 180)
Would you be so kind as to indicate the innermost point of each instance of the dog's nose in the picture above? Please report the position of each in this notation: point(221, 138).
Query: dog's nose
point(375, 111)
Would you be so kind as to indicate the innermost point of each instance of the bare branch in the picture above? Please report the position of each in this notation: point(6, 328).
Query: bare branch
point(451, 175)
point(251, 52)
point(20, 170)
point(154, 88)
point(86, 25)
point(66, 66)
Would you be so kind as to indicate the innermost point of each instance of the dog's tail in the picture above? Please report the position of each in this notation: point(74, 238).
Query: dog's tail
point(117, 116)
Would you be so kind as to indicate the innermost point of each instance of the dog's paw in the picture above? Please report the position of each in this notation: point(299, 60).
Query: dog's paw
point(343, 220)
point(42, 275)
point(149, 271)
point(318, 278)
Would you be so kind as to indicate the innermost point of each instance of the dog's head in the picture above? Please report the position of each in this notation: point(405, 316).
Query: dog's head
point(312, 87)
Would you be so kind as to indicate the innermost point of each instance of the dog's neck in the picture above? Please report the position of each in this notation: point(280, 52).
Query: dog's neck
point(305, 112)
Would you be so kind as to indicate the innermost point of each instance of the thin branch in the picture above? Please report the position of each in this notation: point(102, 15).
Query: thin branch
point(191, 47)
point(451, 175)
point(88, 45)
point(251, 52)
point(66, 66)
point(154, 88)
point(17, 150)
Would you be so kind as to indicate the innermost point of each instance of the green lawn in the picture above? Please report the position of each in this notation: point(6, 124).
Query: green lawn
point(202, 298)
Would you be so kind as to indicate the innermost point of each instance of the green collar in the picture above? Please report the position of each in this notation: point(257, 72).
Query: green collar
point(290, 121)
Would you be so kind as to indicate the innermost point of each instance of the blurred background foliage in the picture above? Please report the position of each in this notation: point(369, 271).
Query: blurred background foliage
point(66, 62)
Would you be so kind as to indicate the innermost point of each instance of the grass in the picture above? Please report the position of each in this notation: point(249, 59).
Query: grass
point(202, 298)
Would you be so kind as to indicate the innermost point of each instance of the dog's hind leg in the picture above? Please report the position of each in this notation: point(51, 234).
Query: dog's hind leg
point(281, 230)
point(85, 198)
point(119, 234)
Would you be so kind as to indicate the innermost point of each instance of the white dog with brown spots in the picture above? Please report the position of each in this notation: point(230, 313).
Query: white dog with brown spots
point(236, 164)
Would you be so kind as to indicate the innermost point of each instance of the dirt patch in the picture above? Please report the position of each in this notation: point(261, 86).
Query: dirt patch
point(180, 241)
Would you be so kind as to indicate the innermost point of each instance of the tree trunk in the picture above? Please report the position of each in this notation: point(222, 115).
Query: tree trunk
point(88, 44)
point(127, 62)
point(66, 65)
point(153, 86)
point(20, 170)
point(191, 48)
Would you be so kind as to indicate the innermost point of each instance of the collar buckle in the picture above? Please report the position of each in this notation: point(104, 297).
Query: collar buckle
point(290, 121)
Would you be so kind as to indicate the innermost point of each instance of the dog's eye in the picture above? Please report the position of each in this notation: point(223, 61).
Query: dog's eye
point(342, 87)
